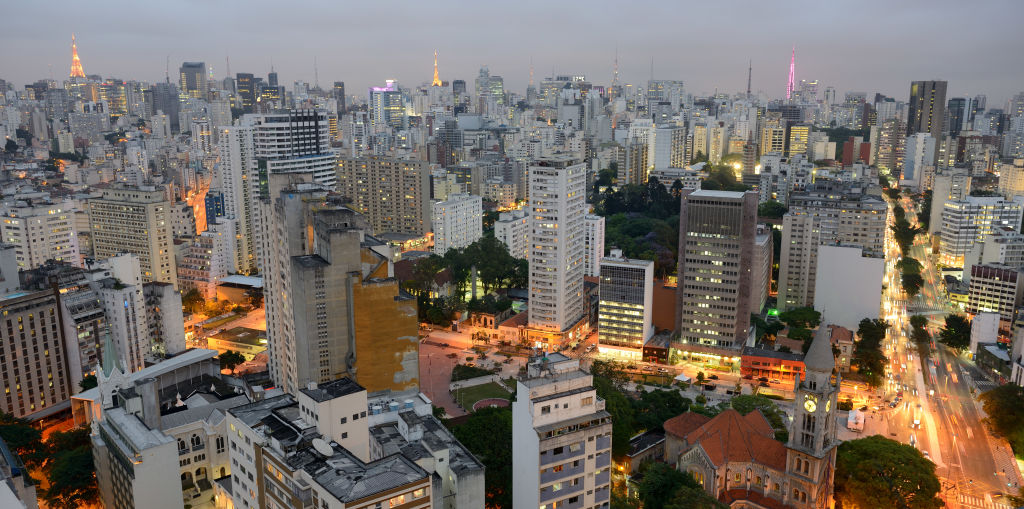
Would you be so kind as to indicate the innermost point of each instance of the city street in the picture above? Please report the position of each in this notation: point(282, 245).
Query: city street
point(938, 413)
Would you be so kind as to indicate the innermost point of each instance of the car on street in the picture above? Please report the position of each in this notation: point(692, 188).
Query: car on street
point(763, 379)
point(713, 377)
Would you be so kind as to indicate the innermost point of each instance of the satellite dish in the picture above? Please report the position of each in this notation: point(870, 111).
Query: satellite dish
point(323, 447)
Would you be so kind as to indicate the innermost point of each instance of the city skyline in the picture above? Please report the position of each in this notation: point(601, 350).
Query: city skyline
point(707, 58)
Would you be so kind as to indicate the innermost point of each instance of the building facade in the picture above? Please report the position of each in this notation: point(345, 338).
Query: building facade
point(457, 222)
point(135, 220)
point(626, 305)
point(593, 244)
point(513, 229)
point(393, 194)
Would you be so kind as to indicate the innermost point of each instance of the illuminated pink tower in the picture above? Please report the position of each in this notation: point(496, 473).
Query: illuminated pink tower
point(791, 84)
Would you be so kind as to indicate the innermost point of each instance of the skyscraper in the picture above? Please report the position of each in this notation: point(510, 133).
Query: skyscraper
point(295, 141)
point(457, 222)
point(926, 109)
point(385, 106)
point(193, 80)
point(245, 84)
point(625, 305)
point(791, 84)
point(959, 114)
point(557, 202)
point(719, 247)
point(339, 95)
point(393, 194)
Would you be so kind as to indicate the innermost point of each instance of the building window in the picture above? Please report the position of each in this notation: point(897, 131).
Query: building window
point(545, 410)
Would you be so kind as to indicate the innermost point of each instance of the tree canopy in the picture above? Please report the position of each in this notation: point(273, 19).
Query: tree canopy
point(772, 209)
point(867, 353)
point(70, 470)
point(487, 433)
point(957, 332)
point(746, 403)
point(878, 472)
point(1004, 406)
point(230, 360)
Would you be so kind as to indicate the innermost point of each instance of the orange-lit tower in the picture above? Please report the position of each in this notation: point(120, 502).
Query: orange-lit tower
point(76, 63)
point(437, 79)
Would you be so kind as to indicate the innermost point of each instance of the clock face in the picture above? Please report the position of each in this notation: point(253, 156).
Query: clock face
point(828, 403)
point(810, 405)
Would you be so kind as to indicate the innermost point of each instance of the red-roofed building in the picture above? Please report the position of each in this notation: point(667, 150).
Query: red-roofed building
point(737, 459)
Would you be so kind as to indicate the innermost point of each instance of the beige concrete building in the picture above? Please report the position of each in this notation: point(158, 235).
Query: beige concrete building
point(33, 354)
point(40, 232)
point(393, 194)
point(825, 213)
point(135, 220)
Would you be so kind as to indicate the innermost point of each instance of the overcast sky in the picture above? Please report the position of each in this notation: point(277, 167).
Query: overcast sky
point(868, 45)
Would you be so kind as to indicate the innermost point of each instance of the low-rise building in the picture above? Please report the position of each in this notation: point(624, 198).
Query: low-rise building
point(246, 341)
point(757, 363)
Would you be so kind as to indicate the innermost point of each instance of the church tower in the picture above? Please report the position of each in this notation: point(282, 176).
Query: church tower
point(811, 450)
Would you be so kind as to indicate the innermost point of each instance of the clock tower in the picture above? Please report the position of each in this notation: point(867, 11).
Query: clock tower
point(811, 450)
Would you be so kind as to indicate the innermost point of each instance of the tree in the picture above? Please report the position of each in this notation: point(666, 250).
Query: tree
point(618, 405)
point(805, 317)
point(893, 193)
point(918, 321)
point(487, 433)
point(192, 301)
point(653, 408)
point(912, 284)
point(700, 377)
point(878, 472)
point(908, 265)
point(23, 439)
point(745, 404)
point(957, 332)
point(867, 353)
point(665, 487)
point(88, 382)
point(71, 473)
point(772, 209)
point(230, 359)
point(1004, 406)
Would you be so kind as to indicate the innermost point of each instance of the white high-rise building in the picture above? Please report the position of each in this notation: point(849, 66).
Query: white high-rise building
point(666, 147)
point(202, 137)
point(557, 461)
point(919, 152)
point(135, 220)
point(40, 232)
point(296, 141)
point(457, 222)
point(513, 229)
point(593, 244)
point(237, 179)
point(971, 220)
point(557, 204)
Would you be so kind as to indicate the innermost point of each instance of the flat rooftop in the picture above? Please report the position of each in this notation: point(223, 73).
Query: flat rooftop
point(333, 389)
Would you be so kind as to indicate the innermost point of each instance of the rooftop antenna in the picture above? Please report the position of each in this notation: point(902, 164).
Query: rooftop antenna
point(750, 70)
point(316, 73)
point(531, 71)
point(227, 64)
point(652, 68)
point(615, 71)
point(167, 69)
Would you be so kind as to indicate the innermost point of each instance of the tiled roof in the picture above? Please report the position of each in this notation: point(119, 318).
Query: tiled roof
point(752, 496)
point(731, 437)
point(682, 424)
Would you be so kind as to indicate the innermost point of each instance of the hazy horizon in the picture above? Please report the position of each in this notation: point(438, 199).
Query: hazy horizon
point(868, 46)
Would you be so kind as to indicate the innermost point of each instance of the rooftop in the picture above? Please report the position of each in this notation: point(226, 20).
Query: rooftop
point(435, 438)
point(333, 389)
point(349, 479)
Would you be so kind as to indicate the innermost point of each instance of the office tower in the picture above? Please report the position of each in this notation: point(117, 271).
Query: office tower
point(959, 111)
point(825, 213)
point(136, 220)
point(245, 85)
point(995, 288)
point(160, 438)
point(193, 80)
point(593, 244)
point(327, 287)
point(489, 89)
point(570, 468)
point(1011, 179)
point(970, 220)
point(40, 231)
point(393, 194)
point(76, 63)
point(457, 222)
point(718, 251)
point(339, 95)
point(666, 148)
point(773, 134)
point(295, 141)
point(385, 107)
point(799, 136)
point(513, 229)
point(891, 146)
point(625, 305)
point(926, 109)
point(238, 180)
point(919, 153)
point(557, 206)
point(33, 354)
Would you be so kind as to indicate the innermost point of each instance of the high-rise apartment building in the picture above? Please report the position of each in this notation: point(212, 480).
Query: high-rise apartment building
point(339, 95)
point(40, 232)
point(135, 220)
point(971, 220)
point(625, 306)
point(593, 244)
point(327, 286)
point(237, 179)
point(557, 203)
point(926, 109)
point(457, 222)
point(193, 80)
point(718, 257)
point(1011, 179)
point(666, 148)
point(799, 137)
point(825, 213)
point(562, 437)
point(393, 194)
point(513, 229)
point(385, 107)
point(919, 153)
point(295, 141)
point(995, 288)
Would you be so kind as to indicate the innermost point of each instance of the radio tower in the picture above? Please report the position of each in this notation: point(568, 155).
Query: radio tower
point(791, 84)
point(437, 78)
point(76, 64)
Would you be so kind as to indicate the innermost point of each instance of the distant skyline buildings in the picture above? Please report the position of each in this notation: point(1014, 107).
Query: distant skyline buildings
point(827, 53)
